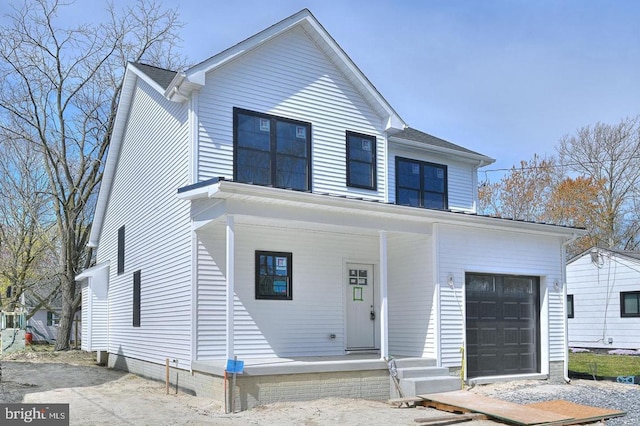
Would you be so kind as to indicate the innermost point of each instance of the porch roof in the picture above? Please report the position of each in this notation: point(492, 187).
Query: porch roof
point(348, 210)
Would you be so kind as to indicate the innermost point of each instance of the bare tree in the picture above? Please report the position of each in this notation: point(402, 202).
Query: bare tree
point(610, 156)
point(59, 90)
point(27, 238)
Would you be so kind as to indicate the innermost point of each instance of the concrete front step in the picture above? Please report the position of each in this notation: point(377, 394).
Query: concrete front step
point(423, 385)
point(417, 372)
point(414, 362)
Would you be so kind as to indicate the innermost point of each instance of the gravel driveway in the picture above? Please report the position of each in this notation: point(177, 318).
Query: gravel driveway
point(615, 396)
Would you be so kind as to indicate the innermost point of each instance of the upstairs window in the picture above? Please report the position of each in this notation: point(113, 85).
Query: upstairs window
point(630, 304)
point(421, 184)
point(361, 161)
point(271, 151)
point(273, 275)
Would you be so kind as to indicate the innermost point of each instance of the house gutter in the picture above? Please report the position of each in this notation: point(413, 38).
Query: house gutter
point(564, 304)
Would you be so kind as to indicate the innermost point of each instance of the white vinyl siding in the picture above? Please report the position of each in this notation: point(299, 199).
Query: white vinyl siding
point(85, 344)
point(43, 332)
point(464, 249)
point(460, 176)
point(410, 295)
point(153, 164)
point(268, 328)
point(95, 309)
point(596, 287)
point(288, 77)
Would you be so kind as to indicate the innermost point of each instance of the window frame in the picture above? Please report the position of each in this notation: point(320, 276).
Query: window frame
point(136, 298)
point(288, 295)
point(373, 164)
point(53, 319)
point(422, 165)
point(273, 153)
point(570, 306)
point(121, 250)
point(623, 313)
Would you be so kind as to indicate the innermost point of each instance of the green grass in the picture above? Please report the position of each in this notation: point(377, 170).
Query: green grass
point(604, 365)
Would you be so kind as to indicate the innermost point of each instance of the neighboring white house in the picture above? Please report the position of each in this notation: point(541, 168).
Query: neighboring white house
point(603, 297)
point(269, 204)
point(43, 320)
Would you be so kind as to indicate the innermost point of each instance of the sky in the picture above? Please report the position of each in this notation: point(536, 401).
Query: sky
point(505, 78)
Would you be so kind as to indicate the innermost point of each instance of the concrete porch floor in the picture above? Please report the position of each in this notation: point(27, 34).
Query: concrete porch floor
point(310, 364)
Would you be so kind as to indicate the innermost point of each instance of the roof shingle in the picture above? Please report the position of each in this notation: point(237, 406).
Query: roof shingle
point(160, 75)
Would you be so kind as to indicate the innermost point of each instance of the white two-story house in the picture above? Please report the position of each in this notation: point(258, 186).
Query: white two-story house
point(269, 205)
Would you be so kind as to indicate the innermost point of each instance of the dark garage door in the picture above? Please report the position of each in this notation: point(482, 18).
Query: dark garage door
point(503, 328)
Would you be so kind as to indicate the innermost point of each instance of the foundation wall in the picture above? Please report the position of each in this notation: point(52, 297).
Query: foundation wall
point(252, 391)
point(556, 371)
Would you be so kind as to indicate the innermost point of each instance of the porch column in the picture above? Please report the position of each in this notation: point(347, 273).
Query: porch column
point(384, 312)
point(230, 283)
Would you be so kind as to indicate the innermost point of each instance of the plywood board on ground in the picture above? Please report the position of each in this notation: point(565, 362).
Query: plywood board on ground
point(501, 410)
point(580, 413)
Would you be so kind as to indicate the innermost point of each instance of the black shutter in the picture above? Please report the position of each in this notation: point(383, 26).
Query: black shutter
point(121, 250)
point(136, 299)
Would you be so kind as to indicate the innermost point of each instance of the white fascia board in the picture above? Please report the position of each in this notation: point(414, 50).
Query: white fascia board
point(230, 190)
point(124, 105)
point(90, 272)
point(182, 85)
point(483, 160)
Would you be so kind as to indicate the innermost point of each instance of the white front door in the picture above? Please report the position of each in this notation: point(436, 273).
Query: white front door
point(361, 307)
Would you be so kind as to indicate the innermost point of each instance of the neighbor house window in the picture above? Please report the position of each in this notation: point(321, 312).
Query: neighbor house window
point(271, 150)
point(421, 184)
point(121, 250)
point(273, 275)
point(361, 161)
point(630, 304)
point(569, 305)
point(52, 319)
point(136, 299)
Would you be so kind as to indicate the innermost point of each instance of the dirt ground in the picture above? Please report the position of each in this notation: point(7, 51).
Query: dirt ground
point(101, 396)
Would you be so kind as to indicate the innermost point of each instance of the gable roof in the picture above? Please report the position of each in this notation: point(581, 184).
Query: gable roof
point(412, 135)
point(193, 78)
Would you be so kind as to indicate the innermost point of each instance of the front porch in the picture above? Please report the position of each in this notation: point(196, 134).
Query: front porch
point(310, 364)
point(359, 375)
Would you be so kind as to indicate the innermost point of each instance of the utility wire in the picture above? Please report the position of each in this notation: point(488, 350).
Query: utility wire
point(552, 165)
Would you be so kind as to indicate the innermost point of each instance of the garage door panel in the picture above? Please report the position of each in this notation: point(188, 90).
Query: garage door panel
point(511, 310)
point(528, 336)
point(488, 310)
point(511, 336)
point(488, 337)
point(502, 325)
point(489, 363)
point(526, 311)
point(511, 362)
point(472, 336)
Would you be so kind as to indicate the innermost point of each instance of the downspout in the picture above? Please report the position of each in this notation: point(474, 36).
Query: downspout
point(564, 306)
